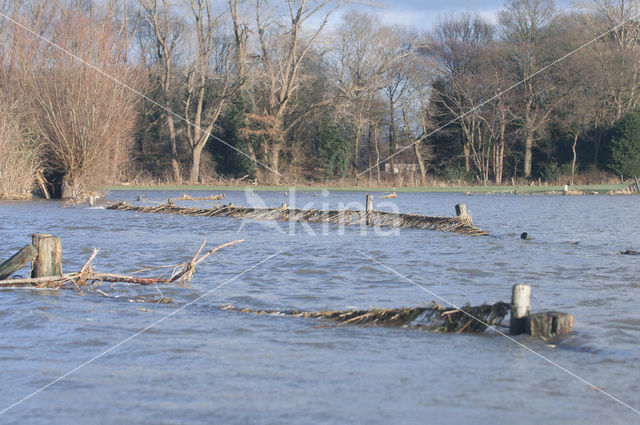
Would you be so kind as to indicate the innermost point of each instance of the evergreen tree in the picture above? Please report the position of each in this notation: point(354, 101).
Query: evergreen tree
point(625, 145)
point(333, 152)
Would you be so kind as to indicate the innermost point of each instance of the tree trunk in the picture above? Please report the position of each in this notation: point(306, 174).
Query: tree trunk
point(377, 155)
point(392, 132)
point(356, 153)
point(423, 171)
point(194, 175)
point(575, 156)
point(370, 146)
point(467, 156)
point(69, 187)
point(175, 165)
point(528, 148)
point(499, 162)
point(275, 161)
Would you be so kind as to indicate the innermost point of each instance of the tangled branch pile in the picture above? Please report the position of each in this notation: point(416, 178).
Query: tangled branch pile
point(460, 225)
point(436, 319)
point(87, 275)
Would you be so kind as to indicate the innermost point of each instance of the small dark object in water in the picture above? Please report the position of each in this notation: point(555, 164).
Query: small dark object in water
point(525, 236)
point(629, 252)
point(161, 300)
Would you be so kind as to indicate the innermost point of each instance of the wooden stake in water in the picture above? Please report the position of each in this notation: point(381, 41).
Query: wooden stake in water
point(520, 306)
point(18, 261)
point(461, 210)
point(48, 261)
point(369, 208)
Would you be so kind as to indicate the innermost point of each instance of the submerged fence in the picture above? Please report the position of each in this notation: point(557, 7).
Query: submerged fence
point(461, 223)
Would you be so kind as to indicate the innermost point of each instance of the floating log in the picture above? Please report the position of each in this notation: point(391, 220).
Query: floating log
point(466, 319)
point(18, 261)
point(48, 261)
point(458, 224)
point(549, 324)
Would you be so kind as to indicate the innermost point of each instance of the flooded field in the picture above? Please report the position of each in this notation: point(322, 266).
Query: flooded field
point(204, 365)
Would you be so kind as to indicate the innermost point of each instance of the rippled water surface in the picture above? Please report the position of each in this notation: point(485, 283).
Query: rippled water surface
point(204, 365)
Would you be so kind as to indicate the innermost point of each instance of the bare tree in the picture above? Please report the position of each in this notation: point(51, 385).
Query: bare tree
point(577, 87)
point(366, 53)
point(167, 30)
point(526, 26)
point(210, 80)
point(415, 109)
point(84, 121)
point(20, 160)
point(286, 34)
point(461, 46)
point(615, 59)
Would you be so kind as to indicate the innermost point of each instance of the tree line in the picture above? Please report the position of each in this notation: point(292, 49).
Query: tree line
point(274, 91)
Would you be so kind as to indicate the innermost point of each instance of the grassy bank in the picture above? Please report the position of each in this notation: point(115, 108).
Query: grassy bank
point(599, 188)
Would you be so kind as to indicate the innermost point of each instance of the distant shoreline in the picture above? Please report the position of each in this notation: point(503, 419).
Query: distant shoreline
point(605, 189)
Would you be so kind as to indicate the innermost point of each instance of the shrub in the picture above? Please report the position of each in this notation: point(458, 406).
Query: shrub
point(84, 121)
point(453, 173)
point(19, 159)
point(333, 151)
point(625, 146)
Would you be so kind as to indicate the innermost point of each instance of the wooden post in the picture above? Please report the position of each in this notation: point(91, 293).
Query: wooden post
point(520, 305)
point(369, 209)
point(48, 261)
point(92, 200)
point(549, 324)
point(461, 210)
point(17, 261)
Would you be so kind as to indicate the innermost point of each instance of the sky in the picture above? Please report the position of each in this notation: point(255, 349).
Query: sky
point(421, 14)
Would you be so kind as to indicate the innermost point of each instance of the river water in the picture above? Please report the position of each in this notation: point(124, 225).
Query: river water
point(205, 365)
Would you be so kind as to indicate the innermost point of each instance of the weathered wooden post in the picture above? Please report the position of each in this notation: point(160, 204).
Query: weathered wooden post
point(48, 261)
point(549, 324)
point(284, 215)
point(461, 210)
point(369, 209)
point(520, 305)
point(17, 261)
point(92, 200)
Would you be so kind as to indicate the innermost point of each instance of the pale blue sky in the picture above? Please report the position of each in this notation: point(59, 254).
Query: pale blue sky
point(423, 13)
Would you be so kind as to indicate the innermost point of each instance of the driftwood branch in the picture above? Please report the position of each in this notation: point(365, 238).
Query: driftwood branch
point(87, 275)
point(18, 261)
